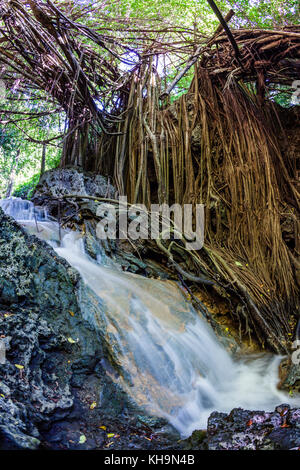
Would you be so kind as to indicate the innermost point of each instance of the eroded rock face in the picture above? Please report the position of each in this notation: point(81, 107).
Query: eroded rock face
point(74, 181)
point(59, 182)
point(54, 386)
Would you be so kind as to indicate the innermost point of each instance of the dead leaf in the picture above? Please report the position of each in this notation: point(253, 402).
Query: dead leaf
point(71, 340)
point(82, 439)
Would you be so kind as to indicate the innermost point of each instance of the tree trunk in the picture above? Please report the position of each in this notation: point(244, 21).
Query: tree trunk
point(12, 175)
point(43, 162)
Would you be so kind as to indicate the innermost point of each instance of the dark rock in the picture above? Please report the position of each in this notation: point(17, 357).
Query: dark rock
point(253, 430)
point(290, 374)
point(195, 440)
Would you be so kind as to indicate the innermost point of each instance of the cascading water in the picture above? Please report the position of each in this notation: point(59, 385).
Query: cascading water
point(22, 210)
point(172, 363)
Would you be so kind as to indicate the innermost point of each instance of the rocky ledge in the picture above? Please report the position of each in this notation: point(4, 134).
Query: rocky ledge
point(57, 183)
point(250, 430)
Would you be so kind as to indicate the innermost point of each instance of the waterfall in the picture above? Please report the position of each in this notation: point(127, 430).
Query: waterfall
point(21, 209)
point(172, 362)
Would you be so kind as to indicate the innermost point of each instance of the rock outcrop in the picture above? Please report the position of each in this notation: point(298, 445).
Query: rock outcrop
point(55, 184)
point(250, 430)
point(72, 180)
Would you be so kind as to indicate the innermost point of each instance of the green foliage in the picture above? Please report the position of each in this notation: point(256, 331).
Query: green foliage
point(282, 96)
point(194, 17)
point(8, 154)
point(265, 14)
point(20, 134)
point(25, 190)
point(183, 13)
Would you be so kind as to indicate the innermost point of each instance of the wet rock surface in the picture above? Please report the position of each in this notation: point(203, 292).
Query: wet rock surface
point(250, 430)
point(54, 386)
point(290, 373)
point(70, 181)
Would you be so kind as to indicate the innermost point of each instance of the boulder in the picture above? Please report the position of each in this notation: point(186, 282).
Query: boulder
point(72, 180)
point(250, 430)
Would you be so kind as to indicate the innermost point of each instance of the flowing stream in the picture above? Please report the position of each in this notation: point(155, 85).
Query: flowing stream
point(172, 362)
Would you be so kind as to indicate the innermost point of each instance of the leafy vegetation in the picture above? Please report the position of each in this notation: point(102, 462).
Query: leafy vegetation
point(32, 122)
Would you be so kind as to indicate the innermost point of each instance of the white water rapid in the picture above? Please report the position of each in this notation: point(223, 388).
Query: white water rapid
point(173, 363)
